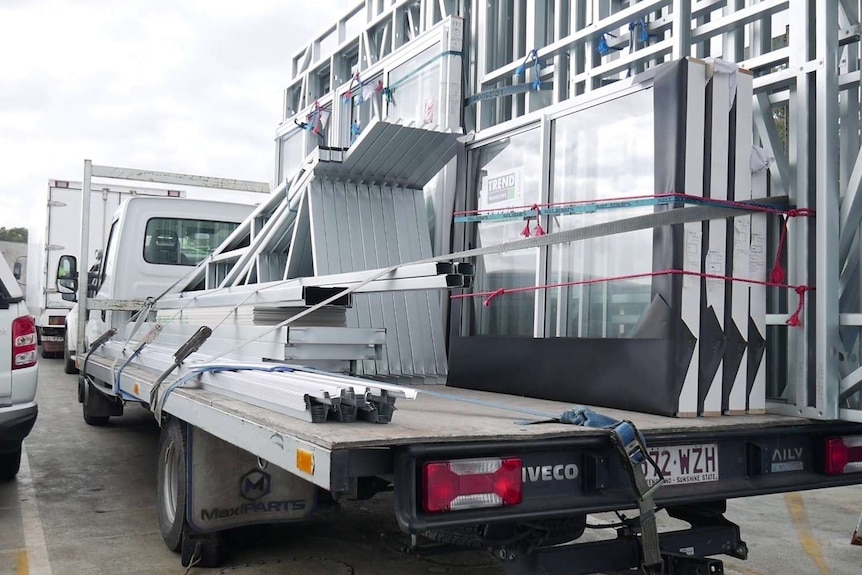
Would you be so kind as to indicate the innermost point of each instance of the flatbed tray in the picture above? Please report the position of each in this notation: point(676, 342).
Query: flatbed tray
point(430, 419)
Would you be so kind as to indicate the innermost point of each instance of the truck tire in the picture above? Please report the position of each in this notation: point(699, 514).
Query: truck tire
point(171, 483)
point(98, 408)
point(68, 363)
point(45, 354)
point(10, 463)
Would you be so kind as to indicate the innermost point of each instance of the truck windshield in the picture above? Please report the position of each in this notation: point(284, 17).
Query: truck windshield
point(172, 241)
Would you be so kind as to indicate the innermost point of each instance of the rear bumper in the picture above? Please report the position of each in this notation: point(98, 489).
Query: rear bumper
point(53, 339)
point(15, 424)
point(52, 346)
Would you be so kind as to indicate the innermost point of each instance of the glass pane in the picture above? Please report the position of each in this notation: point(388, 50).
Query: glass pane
point(183, 242)
point(604, 152)
point(416, 98)
point(500, 30)
point(505, 174)
point(291, 155)
point(416, 90)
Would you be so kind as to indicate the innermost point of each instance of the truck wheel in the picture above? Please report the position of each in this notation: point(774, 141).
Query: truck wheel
point(68, 363)
point(171, 486)
point(10, 463)
point(98, 408)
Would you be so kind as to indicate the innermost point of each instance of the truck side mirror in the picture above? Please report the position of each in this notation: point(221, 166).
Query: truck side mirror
point(16, 270)
point(67, 277)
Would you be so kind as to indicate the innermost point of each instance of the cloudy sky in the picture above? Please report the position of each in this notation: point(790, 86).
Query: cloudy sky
point(175, 85)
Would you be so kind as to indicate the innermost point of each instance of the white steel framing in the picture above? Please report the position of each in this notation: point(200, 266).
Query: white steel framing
point(805, 58)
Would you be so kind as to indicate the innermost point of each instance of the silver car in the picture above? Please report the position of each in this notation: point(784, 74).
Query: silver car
point(18, 373)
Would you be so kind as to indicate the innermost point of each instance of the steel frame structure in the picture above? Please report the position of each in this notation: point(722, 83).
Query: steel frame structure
point(805, 58)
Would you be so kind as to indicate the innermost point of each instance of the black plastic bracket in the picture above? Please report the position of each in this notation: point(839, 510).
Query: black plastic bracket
point(205, 551)
point(683, 552)
point(677, 564)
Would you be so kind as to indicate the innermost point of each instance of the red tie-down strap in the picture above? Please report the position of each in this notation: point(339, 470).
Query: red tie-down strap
point(777, 273)
point(793, 321)
point(540, 231)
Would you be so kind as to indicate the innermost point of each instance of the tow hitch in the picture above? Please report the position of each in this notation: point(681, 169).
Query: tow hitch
point(683, 552)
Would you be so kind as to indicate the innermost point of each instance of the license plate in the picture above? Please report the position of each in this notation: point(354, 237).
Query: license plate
point(684, 464)
point(52, 338)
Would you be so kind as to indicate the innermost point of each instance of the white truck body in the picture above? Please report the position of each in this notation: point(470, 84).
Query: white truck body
point(278, 431)
point(131, 245)
point(62, 234)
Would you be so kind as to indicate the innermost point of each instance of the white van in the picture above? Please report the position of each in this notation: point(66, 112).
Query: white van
point(18, 373)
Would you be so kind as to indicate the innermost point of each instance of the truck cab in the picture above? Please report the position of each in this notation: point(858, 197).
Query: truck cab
point(61, 236)
point(152, 243)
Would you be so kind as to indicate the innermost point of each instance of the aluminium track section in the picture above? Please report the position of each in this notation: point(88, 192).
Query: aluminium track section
point(428, 419)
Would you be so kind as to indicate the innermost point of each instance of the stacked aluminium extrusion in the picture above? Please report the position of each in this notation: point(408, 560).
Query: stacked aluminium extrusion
point(295, 391)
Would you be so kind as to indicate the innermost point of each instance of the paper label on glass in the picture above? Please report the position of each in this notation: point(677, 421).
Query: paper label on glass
point(456, 34)
point(429, 111)
point(757, 261)
point(502, 191)
point(714, 266)
point(741, 246)
point(692, 256)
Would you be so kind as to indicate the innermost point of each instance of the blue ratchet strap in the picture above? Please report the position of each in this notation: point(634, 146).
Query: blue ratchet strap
point(145, 341)
point(643, 36)
point(589, 208)
point(116, 383)
point(631, 447)
point(602, 48)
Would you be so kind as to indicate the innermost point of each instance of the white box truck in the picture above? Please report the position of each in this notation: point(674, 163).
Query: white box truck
point(61, 236)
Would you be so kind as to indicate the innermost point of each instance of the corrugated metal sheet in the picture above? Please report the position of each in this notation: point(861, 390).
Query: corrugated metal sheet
point(352, 210)
point(398, 155)
point(357, 226)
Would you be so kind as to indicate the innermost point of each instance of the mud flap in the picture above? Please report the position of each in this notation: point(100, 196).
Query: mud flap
point(228, 487)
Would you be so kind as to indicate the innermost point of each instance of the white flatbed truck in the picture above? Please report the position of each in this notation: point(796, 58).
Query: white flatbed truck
point(464, 468)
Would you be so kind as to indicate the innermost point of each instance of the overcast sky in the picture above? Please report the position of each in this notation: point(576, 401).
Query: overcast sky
point(192, 86)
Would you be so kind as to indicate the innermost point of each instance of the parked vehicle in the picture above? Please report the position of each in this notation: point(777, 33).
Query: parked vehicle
point(18, 373)
point(62, 237)
point(463, 470)
point(570, 111)
point(151, 243)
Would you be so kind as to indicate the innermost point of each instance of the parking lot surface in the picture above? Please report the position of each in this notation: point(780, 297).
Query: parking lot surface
point(85, 503)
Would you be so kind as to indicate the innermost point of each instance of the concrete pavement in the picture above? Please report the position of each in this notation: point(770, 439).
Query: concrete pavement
point(85, 503)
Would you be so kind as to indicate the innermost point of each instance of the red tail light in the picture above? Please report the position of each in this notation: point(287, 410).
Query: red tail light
point(471, 484)
point(843, 455)
point(23, 342)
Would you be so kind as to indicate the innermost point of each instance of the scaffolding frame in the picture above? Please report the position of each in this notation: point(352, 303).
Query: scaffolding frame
point(805, 58)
